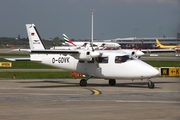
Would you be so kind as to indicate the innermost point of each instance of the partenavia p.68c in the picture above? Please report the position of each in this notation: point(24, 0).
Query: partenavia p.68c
point(105, 64)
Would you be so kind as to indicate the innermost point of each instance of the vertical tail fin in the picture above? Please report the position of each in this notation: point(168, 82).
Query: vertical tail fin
point(67, 40)
point(158, 44)
point(34, 38)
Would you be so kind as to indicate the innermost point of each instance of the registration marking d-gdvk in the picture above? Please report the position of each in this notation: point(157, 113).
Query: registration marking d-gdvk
point(61, 60)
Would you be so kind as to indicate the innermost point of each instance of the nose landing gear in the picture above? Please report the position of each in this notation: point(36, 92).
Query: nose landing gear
point(83, 82)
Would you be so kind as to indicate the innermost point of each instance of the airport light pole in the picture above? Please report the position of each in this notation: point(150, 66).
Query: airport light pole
point(135, 34)
point(92, 10)
point(160, 32)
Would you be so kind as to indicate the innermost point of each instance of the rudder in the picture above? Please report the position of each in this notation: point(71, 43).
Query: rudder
point(158, 44)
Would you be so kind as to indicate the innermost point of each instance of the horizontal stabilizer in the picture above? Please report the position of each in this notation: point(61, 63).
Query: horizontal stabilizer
point(18, 59)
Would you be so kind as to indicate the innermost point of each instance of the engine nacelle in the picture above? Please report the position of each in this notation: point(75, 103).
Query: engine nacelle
point(94, 54)
point(87, 55)
point(84, 55)
point(136, 53)
point(139, 53)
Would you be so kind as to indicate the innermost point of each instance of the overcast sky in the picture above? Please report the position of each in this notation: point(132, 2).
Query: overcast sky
point(112, 18)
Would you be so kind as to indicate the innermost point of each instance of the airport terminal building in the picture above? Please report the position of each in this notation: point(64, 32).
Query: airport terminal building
point(145, 43)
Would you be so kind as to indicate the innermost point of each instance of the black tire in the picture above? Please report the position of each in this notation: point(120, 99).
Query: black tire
point(151, 85)
point(112, 82)
point(83, 82)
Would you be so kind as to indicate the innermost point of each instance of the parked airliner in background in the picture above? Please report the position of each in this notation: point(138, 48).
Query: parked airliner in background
point(69, 42)
point(136, 53)
point(158, 44)
point(105, 64)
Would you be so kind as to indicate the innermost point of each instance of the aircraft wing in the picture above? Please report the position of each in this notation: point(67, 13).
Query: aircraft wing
point(46, 51)
point(56, 51)
point(80, 54)
point(64, 52)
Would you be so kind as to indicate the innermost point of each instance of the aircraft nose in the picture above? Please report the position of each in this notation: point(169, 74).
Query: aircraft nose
point(147, 70)
point(153, 71)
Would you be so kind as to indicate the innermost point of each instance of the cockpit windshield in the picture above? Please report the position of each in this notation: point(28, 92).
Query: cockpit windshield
point(121, 59)
point(102, 59)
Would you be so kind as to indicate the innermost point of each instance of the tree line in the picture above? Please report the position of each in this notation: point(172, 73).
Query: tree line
point(24, 42)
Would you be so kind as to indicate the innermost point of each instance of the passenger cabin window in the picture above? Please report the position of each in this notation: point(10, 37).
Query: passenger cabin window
point(102, 59)
point(121, 59)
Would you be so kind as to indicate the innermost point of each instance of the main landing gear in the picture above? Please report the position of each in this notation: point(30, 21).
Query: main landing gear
point(112, 82)
point(83, 82)
point(150, 84)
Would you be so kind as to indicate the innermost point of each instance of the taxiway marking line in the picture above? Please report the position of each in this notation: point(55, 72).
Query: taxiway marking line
point(94, 91)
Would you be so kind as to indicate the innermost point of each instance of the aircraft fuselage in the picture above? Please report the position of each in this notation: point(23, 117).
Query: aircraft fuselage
point(130, 69)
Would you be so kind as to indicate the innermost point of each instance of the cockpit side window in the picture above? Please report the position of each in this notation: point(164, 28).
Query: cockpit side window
point(102, 59)
point(121, 59)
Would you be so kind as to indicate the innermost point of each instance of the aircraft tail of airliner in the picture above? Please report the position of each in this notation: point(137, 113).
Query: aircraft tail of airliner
point(158, 44)
point(67, 40)
point(97, 45)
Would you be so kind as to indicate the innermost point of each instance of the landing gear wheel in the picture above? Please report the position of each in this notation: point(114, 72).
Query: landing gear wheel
point(112, 82)
point(83, 82)
point(151, 85)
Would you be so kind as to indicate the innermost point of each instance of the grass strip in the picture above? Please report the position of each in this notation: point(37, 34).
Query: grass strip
point(14, 54)
point(163, 63)
point(37, 75)
point(26, 65)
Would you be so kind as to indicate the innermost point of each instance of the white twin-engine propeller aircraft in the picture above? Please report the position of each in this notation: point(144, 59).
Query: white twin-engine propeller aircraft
point(93, 63)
